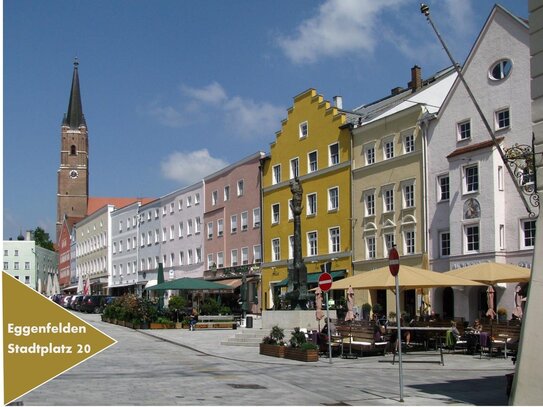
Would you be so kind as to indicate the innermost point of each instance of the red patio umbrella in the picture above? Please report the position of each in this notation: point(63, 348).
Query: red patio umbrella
point(518, 302)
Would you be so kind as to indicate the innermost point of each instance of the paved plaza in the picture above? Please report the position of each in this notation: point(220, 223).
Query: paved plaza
point(180, 367)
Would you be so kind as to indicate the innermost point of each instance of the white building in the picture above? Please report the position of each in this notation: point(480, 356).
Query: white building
point(475, 212)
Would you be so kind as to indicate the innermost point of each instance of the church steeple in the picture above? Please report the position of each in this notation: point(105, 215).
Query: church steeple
point(74, 116)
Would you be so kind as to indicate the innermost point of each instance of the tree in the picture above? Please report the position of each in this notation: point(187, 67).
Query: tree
point(41, 237)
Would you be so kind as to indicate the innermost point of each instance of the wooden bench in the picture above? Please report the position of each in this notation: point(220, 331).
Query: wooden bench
point(503, 337)
point(360, 338)
point(216, 322)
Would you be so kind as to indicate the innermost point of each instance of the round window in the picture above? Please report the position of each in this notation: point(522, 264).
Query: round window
point(500, 70)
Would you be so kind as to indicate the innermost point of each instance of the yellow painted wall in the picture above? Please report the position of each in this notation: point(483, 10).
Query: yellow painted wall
point(324, 123)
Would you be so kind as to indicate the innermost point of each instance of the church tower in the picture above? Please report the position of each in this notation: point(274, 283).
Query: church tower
point(73, 174)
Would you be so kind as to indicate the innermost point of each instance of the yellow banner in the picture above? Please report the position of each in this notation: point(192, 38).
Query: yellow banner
point(41, 339)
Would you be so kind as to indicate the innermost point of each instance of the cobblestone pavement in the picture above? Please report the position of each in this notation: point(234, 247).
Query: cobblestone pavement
point(179, 367)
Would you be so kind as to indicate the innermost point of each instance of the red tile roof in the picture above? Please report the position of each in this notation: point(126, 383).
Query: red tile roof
point(95, 203)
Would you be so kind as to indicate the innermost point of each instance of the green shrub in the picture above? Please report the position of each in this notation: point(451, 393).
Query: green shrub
point(275, 337)
point(308, 346)
point(297, 338)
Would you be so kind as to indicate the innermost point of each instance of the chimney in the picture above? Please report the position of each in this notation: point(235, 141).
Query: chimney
point(338, 102)
point(29, 235)
point(416, 80)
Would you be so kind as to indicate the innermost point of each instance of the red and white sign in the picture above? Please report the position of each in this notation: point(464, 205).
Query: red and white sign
point(325, 281)
point(394, 261)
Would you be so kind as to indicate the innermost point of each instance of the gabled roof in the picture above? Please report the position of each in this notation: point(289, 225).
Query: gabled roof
point(95, 203)
point(74, 116)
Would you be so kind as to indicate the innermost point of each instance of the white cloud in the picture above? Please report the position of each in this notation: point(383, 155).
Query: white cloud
point(339, 27)
point(241, 118)
point(190, 166)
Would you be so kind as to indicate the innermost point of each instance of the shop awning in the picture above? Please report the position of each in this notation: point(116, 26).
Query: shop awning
point(189, 284)
point(232, 282)
point(313, 278)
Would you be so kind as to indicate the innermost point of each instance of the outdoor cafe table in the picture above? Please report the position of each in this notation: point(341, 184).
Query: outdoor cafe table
point(427, 330)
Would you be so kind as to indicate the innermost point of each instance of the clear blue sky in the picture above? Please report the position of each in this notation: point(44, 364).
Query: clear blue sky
point(173, 90)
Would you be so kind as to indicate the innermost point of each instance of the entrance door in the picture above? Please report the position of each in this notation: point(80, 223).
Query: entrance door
point(448, 303)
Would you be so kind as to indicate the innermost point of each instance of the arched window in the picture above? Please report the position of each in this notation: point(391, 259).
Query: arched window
point(73, 150)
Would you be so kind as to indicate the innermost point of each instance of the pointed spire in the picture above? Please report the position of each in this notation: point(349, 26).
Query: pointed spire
point(74, 117)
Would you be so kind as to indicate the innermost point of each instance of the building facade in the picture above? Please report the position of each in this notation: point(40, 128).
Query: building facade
point(314, 146)
point(389, 190)
point(475, 212)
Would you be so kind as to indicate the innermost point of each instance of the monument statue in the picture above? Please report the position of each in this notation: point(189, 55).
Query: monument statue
point(297, 271)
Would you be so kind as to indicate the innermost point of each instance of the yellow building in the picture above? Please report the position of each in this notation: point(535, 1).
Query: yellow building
point(314, 145)
point(390, 186)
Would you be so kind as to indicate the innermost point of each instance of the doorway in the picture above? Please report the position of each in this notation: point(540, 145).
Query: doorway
point(448, 303)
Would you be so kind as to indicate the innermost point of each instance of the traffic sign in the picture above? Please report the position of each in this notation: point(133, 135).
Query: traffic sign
point(325, 281)
point(393, 261)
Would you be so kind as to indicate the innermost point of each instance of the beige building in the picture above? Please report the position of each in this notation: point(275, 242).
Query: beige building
point(389, 183)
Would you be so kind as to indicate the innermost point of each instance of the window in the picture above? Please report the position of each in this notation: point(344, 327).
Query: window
point(220, 227)
point(196, 198)
point(240, 187)
point(528, 233)
point(73, 150)
point(234, 257)
point(244, 255)
point(189, 256)
point(164, 211)
point(189, 201)
point(226, 193)
point(333, 158)
point(370, 247)
point(156, 213)
point(409, 242)
point(409, 195)
point(471, 179)
point(172, 207)
point(334, 240)
point(164, 235)
point(214, 198)
point(256, 217)
point(27, 265)
point(209, 230)
point(157, 236)
point(257, 257)
point(27, 279)
point(180, 233)
point(390, 242)
point(500, 178)
point(198, 258)
point(369, 201)
point(220, 259)
point(463, 130)
point(276, 174)
point(197, 225)
point(294, 168)
point(180, 204)
point(276, 253)
point(303, 130)
point(312, 161)
point(471, 236)
point(369, 154)
point(209, 261)
point(312, 243)
point(311, 204)
point(233, 223)
point(502, 237)
point(502, 119)
point(244, 220)
point(189, 227)
point(275, 213)
point(6, 265)
point(16, 265)
point(500, 70)
point(333, 199)
point(388, 199)
point(409, 143)
point(172, 232)
point(443, 187)
point(388, 149)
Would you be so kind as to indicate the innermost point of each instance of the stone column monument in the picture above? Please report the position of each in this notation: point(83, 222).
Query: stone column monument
point(297, 271)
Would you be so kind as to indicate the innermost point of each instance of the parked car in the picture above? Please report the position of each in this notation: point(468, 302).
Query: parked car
point(93, 303)
point(66, 301)
point(74, 300)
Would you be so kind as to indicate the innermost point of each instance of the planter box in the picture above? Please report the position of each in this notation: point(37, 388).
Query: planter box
point(303, 355)
point(156, 325)
point(276, 351)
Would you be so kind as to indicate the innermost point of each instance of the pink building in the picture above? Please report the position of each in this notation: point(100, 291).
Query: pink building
point(231, 227)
